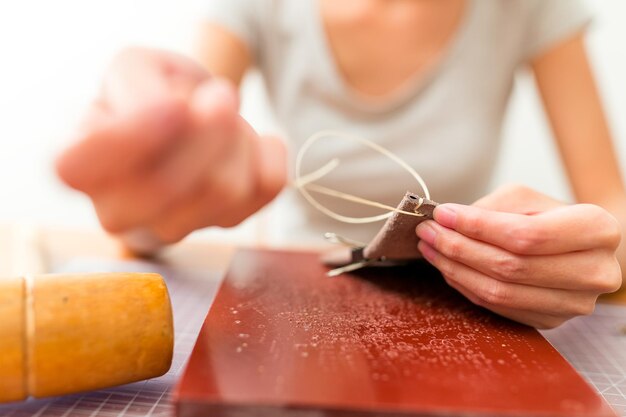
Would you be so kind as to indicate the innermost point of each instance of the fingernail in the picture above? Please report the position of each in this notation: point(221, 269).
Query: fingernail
point(428, 252)
point(446, 215)
point(426, 232)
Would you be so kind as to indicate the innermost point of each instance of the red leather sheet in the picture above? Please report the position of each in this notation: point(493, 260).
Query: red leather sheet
point(283, 339)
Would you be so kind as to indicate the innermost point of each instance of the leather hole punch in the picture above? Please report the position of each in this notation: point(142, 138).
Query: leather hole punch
point(394, 244)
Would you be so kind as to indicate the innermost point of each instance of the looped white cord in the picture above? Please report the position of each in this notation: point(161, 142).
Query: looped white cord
point(304, 182)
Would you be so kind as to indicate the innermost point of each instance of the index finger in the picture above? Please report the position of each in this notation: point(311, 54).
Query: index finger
point(563, 229)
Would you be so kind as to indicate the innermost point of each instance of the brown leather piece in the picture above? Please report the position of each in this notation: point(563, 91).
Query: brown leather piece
point(283, 339)
point(397, 239)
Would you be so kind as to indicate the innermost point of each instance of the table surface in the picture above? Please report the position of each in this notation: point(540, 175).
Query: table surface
point(595, 345)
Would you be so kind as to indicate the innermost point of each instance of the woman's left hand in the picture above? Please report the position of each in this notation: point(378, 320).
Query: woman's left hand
point(524, 255)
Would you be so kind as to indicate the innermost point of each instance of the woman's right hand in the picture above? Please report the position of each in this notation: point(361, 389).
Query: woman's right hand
point(163, 152)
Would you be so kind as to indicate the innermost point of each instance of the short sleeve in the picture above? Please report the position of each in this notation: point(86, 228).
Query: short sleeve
point(552, 21)
point(241, 17)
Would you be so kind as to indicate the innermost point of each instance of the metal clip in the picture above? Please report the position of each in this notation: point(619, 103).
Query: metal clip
point(335, 238)
point(357, 260)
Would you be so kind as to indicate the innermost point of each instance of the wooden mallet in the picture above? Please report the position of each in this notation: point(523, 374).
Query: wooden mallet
point(61, 334)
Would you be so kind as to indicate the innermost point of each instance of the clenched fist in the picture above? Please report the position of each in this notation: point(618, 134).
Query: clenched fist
point(163, 152)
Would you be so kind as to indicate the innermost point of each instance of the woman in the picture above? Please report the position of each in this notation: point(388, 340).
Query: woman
point(164, 151)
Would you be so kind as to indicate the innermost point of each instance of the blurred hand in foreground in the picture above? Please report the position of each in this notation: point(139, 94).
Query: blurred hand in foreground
point(163, 152)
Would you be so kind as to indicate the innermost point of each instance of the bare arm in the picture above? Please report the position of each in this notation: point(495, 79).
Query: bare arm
point(572, 103)
point(222, 53)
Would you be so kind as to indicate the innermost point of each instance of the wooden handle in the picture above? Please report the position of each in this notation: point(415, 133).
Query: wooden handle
point(70, 333)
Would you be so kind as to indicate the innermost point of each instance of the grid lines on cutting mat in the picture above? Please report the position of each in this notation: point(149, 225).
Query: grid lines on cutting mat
point(596, 346)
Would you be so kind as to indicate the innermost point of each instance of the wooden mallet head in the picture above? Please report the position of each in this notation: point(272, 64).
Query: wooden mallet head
point(61, 334)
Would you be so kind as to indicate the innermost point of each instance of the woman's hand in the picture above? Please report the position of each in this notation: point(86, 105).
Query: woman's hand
point(524, 255)
point(163, 151)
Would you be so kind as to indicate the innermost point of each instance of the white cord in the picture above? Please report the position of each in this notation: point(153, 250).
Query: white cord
point(306, 181)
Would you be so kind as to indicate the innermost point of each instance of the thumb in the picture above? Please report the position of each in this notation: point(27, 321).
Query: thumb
point(272, 166)
point(517, 199)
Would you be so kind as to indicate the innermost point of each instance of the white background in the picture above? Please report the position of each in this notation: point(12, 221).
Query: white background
point(52, 55)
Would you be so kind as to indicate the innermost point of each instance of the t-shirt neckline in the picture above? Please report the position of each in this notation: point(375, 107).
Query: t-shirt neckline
point(406, 90)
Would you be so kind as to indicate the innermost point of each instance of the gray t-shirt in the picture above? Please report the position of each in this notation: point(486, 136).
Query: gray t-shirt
point(445, 122)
